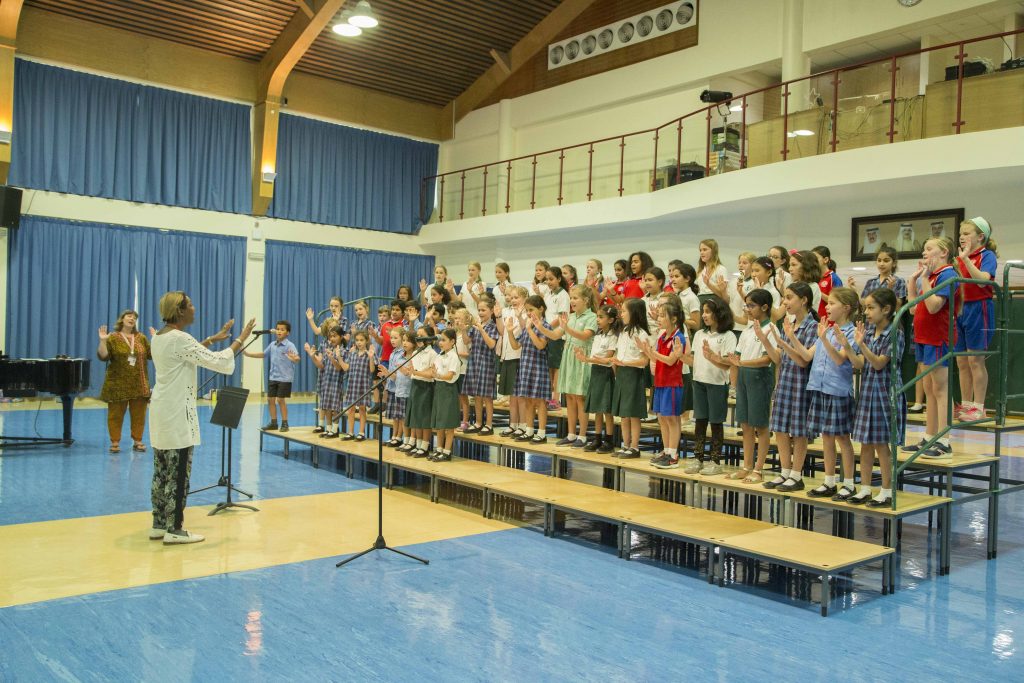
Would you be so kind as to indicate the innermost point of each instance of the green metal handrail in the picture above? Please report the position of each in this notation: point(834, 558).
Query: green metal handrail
point(896, 390)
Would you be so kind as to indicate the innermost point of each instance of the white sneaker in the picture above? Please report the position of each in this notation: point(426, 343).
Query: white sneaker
point(181, 537)
point(157, 534)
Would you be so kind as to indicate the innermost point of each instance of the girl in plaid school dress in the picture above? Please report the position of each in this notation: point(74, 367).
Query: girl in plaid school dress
point(481, 371)
point(831, 387)
point(360, 364)
point(791, 402)
point(403, 343)
point(533, 382)
point(881, 348)
point(327, 360)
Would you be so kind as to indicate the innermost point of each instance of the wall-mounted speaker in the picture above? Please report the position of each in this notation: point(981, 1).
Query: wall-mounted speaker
point(10, 206)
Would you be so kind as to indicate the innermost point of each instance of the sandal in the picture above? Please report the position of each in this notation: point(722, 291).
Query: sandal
point(738, 474)
point(139, 446)
point(115, 448)
point(755, 477)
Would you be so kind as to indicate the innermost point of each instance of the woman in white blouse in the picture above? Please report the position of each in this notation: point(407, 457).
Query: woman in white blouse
point(174, 425)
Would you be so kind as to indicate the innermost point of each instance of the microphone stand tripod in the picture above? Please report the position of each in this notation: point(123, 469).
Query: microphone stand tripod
point(380, 543)
point(225, 456)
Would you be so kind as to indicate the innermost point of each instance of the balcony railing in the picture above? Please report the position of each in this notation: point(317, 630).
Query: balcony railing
point(914, 95)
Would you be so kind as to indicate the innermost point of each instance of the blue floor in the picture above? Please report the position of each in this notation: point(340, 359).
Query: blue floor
point(510, 605)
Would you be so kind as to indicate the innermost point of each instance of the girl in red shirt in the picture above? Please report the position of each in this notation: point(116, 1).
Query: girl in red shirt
point(829, 278)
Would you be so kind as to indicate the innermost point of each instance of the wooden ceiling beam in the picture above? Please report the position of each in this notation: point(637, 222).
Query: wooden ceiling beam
point(532, 43)
point(10, 14)
point(286, 51)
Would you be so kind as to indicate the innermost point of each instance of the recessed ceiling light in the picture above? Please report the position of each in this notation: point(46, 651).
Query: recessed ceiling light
point(803, 132)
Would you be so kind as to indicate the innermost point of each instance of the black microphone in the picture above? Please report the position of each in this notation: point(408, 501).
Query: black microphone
point(259, 332)
point(428, 339)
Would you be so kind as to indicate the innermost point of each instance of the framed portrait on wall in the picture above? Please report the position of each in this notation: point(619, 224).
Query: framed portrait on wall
point(905, 232)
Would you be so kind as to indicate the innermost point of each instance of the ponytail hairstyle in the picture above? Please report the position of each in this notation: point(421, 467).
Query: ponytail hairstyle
point(586, 293)
point(612, 313)
point(802, 290)
point(658, 274)
point(673, 265)
point(944, 243)
point(884, 297)
point(449, 334)
point(983, 228)
point(446, 296)
point(637, 316)
point(810, 267)
point(557, 272)
point(769, 265)
point(721, 312)
point(826, 254)
point(761, 297)
point(848, 297)
point(783, 255)
point(503, 267)
point(892, 253)
point(675, 317)
point(428, 331)
point(537, 302)
point(572, 272)
point(687, 271)
point(623, 264)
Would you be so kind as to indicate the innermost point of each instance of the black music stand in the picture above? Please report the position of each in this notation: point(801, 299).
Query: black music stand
point(227, 414)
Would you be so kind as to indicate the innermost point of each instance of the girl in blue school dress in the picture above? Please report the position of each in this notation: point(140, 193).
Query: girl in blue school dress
point(976, 319)
point(880, 347)
point(533, 380)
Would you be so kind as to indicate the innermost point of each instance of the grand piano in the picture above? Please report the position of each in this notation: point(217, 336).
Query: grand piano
point(28, 377)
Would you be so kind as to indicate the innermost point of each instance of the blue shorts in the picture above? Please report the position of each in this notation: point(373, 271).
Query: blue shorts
point(976, 325)
point(668, 401)
point(929, 354)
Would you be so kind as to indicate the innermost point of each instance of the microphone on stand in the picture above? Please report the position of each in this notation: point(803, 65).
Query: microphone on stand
point(428, 339)
point(259, 332)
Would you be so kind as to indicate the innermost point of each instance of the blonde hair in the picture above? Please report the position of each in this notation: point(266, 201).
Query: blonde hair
point(172, 306)
point(587, 294)
point(474, 264)
point(597, 262)
point(848, 297)
point(714, 262)
point(463, 315)
point(119, 325)
point(989, 243)
point(944, 243)
point(521, 291)
point(748, 255)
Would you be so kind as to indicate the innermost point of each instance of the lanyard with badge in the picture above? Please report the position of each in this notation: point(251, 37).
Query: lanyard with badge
point(132, 358)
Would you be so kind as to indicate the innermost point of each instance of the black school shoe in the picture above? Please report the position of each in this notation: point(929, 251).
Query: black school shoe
point(606, 447)
point(822, 492)
point(537, 438)
point(791, 485)
point(859, 499)
point(592, 445)
point(844, 494)
point(774, 483)
point(270, 426)
point(521, 436)
point(629, 454)
point(880, 503)
point(486, 430)
point(284, 427)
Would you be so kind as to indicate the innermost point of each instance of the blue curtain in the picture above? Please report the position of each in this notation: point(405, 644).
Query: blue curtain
point(337, 175)
point(66, 278)
point(100, 137)
point(298, 276)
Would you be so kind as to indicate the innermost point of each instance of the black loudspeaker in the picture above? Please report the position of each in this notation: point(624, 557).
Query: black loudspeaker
point(10, 206)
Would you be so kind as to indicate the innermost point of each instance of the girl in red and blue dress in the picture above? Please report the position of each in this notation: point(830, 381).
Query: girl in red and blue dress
point(975, 319)
point(931, 332)
point(667, 355)
point(880, 346)
point(829, 278)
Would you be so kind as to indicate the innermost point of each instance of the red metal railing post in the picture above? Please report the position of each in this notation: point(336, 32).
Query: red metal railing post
point(654, 174)
point(590, 172)
point(743, 133)
point(483, 211)
point(622, 163)
point(707, 146)
point(508, 187)
point(679, 149)
point(440, 216)
point(785, 121)
point(462, 197)
point(893, 68)
point(533, 184)
point(561, 167)
point(959, 89)
point(835, 108)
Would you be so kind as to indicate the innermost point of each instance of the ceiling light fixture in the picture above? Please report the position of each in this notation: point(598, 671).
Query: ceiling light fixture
point(363, 16)
point(343, 28)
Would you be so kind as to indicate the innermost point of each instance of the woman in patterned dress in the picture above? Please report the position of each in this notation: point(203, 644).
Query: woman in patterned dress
point(791, 401)
point(880, 345)
point(125, 385)
point(359, 363)
point(328, 359)
point(481, 371)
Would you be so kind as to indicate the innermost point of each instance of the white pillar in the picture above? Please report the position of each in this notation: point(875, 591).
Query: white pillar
point(795, 63)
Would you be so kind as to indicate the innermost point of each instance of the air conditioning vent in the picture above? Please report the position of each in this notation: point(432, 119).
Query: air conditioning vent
point(630, 31)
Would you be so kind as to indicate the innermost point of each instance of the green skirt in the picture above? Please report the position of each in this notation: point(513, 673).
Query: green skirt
point(554, 351)
point(445, 413)
point(629, 398)
point(602, 386)
point(420, 405)
point(507, 377)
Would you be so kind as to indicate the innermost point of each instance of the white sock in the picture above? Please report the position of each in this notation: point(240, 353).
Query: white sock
point(420, 443)
point(917, 405)
point(866, 490)
point(830, 480)
point(528, 430)
point(570, 436)
point(882, 493)
point(795, 475)
point(542, 434)
point(784, 474)
point(848, 483)
point(671, 452)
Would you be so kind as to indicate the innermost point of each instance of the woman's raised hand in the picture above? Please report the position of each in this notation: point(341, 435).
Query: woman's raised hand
point(103, 333)
point(309, 313)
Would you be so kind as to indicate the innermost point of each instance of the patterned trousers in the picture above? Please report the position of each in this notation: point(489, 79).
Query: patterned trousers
point(171, 471)
point(115, 418)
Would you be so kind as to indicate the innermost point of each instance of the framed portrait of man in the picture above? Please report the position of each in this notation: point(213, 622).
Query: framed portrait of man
point(904, 232)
